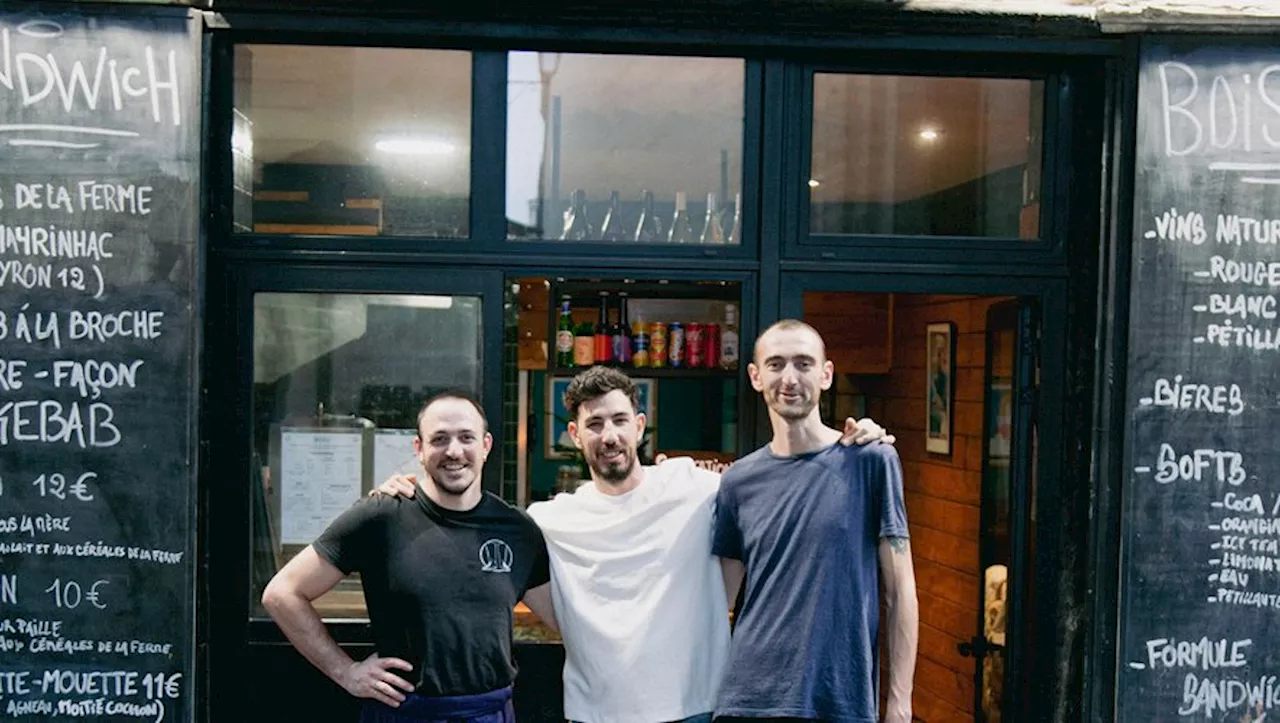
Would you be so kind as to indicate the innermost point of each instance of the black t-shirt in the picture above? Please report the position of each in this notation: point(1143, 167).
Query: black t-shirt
point(440, 585)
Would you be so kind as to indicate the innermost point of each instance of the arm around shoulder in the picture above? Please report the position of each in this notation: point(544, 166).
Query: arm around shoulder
point(538, 600)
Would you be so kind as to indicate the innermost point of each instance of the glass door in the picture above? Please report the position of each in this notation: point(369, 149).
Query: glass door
point(950, 378)
point(1011, 373)
point(331, 368)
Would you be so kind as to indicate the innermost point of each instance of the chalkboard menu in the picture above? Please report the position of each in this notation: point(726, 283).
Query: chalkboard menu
point(1200, 608)
point(99, 156)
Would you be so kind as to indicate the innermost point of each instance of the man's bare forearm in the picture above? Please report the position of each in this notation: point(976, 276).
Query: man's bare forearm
point(305, 629)
point(289, 597)
point(902, 621)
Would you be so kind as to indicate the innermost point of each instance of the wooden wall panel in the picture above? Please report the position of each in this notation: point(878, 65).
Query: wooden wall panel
point(857, 329)
point(943, 495)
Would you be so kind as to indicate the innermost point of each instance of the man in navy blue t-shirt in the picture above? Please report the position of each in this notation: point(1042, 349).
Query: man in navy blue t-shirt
point(814, 526)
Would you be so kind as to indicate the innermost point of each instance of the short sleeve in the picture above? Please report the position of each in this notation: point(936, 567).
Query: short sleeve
point(540, 570)
point(726, 537)
point(345, 542)
point(893, 512)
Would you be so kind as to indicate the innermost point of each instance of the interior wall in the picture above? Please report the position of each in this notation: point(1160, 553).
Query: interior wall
point(943, 493)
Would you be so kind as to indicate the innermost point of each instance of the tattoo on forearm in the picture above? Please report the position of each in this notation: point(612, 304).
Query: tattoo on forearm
point(899, 544)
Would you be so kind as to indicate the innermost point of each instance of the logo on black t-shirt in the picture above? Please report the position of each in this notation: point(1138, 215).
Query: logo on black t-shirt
point(495, 556)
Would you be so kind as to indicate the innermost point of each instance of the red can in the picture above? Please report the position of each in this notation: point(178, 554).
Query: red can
point(711, 345)
point(697, 354)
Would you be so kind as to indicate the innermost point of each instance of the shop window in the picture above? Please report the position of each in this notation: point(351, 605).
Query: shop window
point(352, 141)
point(624, 149)
point(679, 341)
point(925, 156)
point(338, 381)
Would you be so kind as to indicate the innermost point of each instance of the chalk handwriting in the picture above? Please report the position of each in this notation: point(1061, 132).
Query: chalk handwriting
point(1232, 113)
point(1248, 336)
point(1178, 393)
point(30, 70)
point(1252, 273)
point(1239, 230)
point(53, 422)
point(55, 242)
point(1216, 465)
point(1204, 653)
point(1211, 698)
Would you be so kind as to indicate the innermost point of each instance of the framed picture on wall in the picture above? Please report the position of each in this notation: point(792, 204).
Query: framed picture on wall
point(558, 444)
point(940, 376)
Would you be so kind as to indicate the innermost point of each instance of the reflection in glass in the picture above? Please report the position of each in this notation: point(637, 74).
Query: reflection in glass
point(609, 124)
point(925, 156)
point(352, 141)
point(338, 380)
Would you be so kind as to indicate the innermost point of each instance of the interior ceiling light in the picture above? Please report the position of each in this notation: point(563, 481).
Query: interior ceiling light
point(813, 183)
point(929, 135)
point(415, 146)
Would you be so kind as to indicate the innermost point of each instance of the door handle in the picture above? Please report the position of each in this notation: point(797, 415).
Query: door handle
point(979, 647)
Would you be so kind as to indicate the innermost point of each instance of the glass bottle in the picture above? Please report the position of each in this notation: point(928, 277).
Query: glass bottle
point(612, 230)
point(649, 230)
point(622, 334)
point(604, 337)
point(564, 336)
point(729, 338)
point(712, 231)
point(577, 227)
point(735, 230)
point(584, 345)
point(681, 231)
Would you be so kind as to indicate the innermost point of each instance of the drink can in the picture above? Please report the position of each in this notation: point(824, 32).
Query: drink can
point(658, 345)
point(640, 356)
point(675, 345)
point(640, 344)
point(695, 353)
point(711, 345)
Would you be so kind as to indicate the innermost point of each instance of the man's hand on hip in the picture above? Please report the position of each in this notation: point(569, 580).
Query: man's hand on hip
point(372, 678)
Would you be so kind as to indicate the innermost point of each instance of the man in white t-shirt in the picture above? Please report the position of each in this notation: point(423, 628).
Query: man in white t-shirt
point(639, 598)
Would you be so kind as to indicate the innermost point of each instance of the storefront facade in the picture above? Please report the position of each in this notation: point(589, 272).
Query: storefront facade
point(370, 205)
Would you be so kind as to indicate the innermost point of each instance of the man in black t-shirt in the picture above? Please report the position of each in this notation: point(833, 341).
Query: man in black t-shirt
point(441, 573)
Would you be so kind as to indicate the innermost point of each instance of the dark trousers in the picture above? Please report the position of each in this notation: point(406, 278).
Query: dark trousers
point(492, 707)
point(728, 719)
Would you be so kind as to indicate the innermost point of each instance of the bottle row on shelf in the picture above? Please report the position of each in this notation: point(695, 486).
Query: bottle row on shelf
point(644, 345)
point(718, 228)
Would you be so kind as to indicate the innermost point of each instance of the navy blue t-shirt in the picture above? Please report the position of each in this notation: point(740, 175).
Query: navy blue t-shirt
point(807, 528)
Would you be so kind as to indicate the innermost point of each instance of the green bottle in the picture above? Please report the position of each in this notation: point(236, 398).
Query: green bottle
point(564, 336)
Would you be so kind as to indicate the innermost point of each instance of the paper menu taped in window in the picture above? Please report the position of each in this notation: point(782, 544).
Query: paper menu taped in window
point(320, 475)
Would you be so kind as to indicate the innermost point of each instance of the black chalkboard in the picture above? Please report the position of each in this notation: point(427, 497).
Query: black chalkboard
point(1200, 600)
point(99, 156)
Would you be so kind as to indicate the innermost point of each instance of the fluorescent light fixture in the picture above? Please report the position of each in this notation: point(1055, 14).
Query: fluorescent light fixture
point(410, 146)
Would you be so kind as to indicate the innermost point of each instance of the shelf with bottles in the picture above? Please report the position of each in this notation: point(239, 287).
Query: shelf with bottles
point(649, 328)
point(647, 222)
point(652, 373)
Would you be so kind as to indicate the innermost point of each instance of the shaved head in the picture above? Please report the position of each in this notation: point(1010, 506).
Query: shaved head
point(788, 325)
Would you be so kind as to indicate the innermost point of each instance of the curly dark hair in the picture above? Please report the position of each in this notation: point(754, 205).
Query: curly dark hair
point(597, 382)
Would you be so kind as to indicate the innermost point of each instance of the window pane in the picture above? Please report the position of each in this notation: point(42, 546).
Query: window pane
point(925, 156)
point(582, 128)
point(338, 379)
point(352, 141)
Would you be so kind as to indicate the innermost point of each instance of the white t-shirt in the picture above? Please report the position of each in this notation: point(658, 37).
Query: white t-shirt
point(639, 597)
